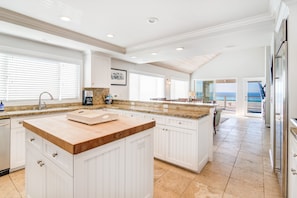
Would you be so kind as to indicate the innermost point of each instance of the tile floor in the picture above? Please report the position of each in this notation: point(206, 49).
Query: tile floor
point(240, 168)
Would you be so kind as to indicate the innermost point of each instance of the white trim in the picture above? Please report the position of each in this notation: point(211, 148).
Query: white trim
point(29, 22)
point(247, 23)
point(282, 15)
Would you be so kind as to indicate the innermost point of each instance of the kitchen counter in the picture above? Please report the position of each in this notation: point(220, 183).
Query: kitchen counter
point(76, 137)
point(69, 159)
point(195, 114)
point(180, 111)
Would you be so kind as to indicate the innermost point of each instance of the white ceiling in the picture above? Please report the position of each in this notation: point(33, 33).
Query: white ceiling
point(205, 28)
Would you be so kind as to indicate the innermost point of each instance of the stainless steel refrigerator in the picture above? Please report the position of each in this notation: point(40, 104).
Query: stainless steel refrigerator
point(281, 107)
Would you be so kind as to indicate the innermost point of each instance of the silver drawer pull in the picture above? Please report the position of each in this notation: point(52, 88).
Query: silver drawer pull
point(32, 139)
point(294, 155)
point(179, 123)
point(20, 122)
point(294, 172)
point(55, 154)
point(41, 164)
point(39, 161)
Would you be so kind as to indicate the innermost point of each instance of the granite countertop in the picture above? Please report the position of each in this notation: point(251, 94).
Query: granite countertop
point(163, 111)
point(76, 137)
point(192, 114)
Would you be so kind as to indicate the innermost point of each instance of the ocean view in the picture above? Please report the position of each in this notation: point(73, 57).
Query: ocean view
point(231, 96)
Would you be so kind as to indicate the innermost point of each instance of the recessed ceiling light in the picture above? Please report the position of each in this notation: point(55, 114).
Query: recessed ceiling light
point(133, 57)
point(110, 35)
point(179, 49)
point(152, 20)
point(65, 18)
point(154, 53)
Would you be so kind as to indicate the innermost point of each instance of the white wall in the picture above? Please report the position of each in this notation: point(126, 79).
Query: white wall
point(13, 44)
point(241, 65)
point(122, 92)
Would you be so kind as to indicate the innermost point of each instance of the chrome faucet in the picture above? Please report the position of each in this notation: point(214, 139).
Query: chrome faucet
point(43, 106)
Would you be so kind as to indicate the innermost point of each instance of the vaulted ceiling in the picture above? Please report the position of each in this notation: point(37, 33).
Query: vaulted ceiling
point(144, 31)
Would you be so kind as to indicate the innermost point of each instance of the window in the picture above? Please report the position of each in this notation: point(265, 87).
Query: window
point(24, 78)
point(179, 89)
point(144, 87)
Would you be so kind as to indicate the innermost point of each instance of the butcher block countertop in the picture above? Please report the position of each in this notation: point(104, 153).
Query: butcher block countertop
point(76, 137)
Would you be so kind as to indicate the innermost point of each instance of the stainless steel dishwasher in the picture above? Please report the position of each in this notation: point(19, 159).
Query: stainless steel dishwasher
point(4, 146)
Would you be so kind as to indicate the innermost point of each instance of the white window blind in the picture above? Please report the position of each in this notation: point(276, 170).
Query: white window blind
point(144, 87)
point(24, 78)
point(179, 89)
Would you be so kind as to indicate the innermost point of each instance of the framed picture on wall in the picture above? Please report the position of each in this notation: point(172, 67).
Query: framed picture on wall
point(118, 77)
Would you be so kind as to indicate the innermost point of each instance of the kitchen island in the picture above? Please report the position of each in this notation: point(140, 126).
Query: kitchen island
point(69, 159)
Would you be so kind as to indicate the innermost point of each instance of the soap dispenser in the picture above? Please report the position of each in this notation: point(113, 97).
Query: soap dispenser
point(1, 106)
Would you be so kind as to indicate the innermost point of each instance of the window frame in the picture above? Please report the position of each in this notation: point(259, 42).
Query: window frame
point(50, 58)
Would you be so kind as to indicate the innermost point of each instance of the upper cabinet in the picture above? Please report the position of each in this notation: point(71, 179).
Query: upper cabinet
point(97, 70)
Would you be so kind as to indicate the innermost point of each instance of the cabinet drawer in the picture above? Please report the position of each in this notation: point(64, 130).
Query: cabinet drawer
point(60, 157)
point(34, 140)
point(158, 119)
point(182, 123)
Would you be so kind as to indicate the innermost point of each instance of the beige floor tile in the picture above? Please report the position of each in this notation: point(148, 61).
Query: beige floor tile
point(18, 178)
point(218, 168)
point(7, 188)
point(249, 165)
point(225, 159)
point(239, 188)
point(250, 177)
point(199, 190)
point(172, 182)
point(212, 179)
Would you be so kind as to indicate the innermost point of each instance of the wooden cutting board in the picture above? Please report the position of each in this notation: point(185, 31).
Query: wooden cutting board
point(91, 117)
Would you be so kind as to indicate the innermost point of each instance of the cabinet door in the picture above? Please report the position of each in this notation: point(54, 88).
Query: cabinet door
point(35, 174)
point(292, 167)
point(182, 147)
point(58, 183)
point(17, 148)
point(160, 142)
point(100, 172)
point(139, 165)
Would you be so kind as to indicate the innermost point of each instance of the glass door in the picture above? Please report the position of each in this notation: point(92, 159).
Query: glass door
point(254, 96)
point(204, 90)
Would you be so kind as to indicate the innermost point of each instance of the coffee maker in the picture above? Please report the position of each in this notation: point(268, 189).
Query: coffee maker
point(87, 97)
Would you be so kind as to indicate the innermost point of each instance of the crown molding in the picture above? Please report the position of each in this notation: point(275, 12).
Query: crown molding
point(210, 31)
point(32, 23)
point(290, 2)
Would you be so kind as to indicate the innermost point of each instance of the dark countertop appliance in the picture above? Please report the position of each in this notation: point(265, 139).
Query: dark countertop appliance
point(87, 97)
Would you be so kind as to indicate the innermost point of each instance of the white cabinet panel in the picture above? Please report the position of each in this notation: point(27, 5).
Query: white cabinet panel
point(97, 70)
point(292, 167)
point(44, 179)
point(58, 183)
point(139, 165)
point(160, 142)
point(34, 174)
point(100, 172)
point(182, 147)
point(184, 142)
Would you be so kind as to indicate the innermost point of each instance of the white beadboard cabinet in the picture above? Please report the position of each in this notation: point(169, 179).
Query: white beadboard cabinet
point(292, 169)
point(97, 70)
point(17, 144)
point(123, 168)
point(181, 141)
point(44, 178)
